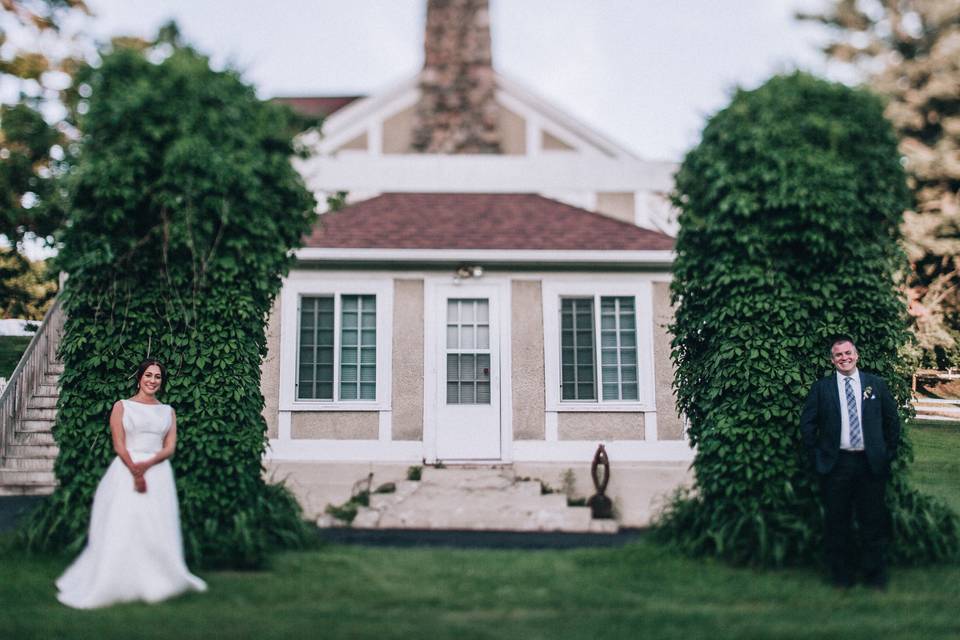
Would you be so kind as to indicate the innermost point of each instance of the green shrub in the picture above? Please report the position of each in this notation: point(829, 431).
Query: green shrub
point(184, 210)
point(790, 209)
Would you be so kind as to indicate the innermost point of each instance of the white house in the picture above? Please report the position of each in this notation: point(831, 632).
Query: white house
point(495, 291)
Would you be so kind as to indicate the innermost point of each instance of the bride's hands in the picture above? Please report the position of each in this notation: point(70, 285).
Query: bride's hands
point(140, 484)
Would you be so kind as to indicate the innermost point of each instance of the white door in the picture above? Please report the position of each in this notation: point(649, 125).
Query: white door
point(468, 373)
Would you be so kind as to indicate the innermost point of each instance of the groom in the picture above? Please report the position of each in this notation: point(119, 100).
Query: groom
point(851, 430)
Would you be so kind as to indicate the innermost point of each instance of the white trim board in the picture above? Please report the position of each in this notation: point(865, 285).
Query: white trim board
point(523, 451)
point(479, 173)
point(617, 450)
point(662, 259)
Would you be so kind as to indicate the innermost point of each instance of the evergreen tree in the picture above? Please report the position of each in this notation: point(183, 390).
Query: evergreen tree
point(909, 50)
point(790, 207)
point(184, 209)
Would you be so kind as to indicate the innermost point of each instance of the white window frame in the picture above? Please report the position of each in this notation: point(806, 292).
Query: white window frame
point(295, 289)
point(642, 292)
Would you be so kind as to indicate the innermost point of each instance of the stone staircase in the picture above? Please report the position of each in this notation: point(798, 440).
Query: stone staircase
point(28, 409)
point(474, 498)
point(27, 467)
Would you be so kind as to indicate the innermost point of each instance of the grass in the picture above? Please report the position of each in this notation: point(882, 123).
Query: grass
point(641, 590)
point(11, 348)
point(936, 468)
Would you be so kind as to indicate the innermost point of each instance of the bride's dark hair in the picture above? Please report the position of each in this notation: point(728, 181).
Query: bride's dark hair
point(143, 369)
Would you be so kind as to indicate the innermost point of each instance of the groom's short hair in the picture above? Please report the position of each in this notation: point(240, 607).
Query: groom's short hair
point(839, 338)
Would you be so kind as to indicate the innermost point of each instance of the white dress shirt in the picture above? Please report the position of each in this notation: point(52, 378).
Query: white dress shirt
point(844, 414)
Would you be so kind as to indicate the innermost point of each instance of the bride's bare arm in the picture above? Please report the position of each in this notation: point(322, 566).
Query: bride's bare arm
point(120, 446)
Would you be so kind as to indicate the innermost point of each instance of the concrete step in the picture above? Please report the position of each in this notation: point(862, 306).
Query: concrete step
point(28, 464)
point(32, 451)
point(42, 402)
point(47, 390)
point(469, 478)
point(55, 368)
point(25, 438)
point(11, 477)
point(50, 380)
point(26, 489)
point(40, 414)
point(35, 425)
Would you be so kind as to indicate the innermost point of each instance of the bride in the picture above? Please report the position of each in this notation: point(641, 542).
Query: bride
point(134, 550)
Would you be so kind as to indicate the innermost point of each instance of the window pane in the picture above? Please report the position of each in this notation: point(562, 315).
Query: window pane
point(483, 311)
point(467, 370)
point(483, 336)
point(368, 355)
point(483, 393)
point(368, 374)
point(453, 336)
point(453, 367)
point(348, 355)
point(453, 393)
point(348, 391)
point(466, 311)
point(466, 393)
point(349, 337)
point(466, 338)
point(368, 391)
point(483, 366)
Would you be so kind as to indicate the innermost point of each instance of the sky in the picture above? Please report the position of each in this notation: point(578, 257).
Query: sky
point(646, 73)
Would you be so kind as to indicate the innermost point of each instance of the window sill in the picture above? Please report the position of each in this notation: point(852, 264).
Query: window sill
point(600, 407)
point(333, 406)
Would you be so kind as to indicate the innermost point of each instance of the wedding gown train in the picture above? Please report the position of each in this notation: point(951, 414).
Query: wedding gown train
point(134, 550)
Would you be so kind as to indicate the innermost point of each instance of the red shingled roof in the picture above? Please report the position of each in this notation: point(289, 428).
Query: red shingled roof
point(521, 221)
point(315, 107)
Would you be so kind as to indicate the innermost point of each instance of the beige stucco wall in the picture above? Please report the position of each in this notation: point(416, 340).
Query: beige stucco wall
point(270, 371)
point(335, 425)
point(553, 143)
point(355, 144)
point(619, 205)
point(407, 360)
point(526, 346)
point(513, 132)
point(669, 425)
point(588, 425)
point(398, 132)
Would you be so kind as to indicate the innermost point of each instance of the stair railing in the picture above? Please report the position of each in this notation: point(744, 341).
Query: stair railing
point(29, 373)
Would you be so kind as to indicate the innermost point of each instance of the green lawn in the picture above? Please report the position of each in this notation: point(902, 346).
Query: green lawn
point(11, 348)
point(936, 468)
point(640, 591)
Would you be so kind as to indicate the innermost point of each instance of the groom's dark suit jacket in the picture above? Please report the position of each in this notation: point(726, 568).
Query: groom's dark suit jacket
point(880, 423)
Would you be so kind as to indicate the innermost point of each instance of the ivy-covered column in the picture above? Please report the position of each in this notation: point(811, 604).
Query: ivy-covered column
point(789, 228)
point(184, 209)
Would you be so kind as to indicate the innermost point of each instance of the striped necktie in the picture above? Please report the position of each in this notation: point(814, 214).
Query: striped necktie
point(856, 437)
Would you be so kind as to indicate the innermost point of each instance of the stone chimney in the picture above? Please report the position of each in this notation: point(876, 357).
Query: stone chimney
point(457, 112)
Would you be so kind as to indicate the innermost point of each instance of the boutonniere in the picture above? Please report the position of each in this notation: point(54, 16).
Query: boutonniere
point(868, 393)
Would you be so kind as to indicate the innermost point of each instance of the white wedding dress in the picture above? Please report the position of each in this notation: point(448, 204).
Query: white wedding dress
point(135, 549)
